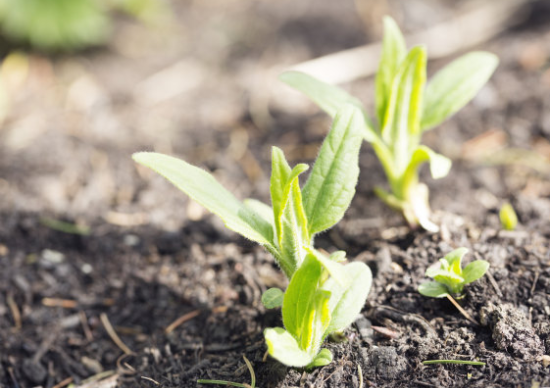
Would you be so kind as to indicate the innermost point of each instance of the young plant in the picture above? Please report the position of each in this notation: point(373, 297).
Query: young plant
point(323, 295)
point(405, 108)
point(508, 217)
point(450, 278)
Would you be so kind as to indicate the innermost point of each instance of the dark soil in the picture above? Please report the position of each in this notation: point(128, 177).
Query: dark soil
point(152, 257)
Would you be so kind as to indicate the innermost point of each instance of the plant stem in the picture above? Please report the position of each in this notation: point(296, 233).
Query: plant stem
point(462, 311)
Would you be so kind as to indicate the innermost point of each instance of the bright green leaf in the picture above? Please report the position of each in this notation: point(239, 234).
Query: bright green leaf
point(433, 290)
point(203, 188)
point(331, 185)
point(455, 85)
point(260, 208)
point(273, 298)
point(402, 123)
point(300, 294)
point(393, 53)
point(283, 347)
point(475, 270)
point(328, 97)
point(454, 260)
point(346, 302)
point(508, 217)
point(316, 322)
point(324, 357)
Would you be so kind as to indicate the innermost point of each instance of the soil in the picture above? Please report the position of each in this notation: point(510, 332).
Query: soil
point(142, 256)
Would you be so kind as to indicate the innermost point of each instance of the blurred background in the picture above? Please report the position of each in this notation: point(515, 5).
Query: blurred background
point(84, 83)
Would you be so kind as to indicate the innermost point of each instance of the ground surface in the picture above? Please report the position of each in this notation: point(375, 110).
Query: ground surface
point(197, 87)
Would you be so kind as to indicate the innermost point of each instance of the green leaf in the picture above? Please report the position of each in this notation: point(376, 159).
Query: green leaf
point(280, 172)
point(454, 260)
point(393, 53)
point(273, 298)
point(346, 302)
point(203, 188)
point(331, 185)
point(439, 164)
point(316, 322)
point(335, 269)
point(338, 256)
point(474, 271)
point(433, 290)
point(324, 357)
point(260, 208)
point(328, 97)
point(455, 85)
point(294, 232)
point(508, 217)
point(300, 295)
point(402, 122)
point(283, 347)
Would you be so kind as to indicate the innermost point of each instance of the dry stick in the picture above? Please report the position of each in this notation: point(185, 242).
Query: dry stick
point(462, 311)
point(16, 314)
point(184, 318)
point(85, 327)
point(114, 336)
point(360, 374)
point(150, 379)
point(55, 302)
point(64, 383)
point(449, 37)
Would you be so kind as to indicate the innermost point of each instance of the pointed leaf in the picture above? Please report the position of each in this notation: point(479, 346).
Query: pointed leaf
point(335, 269)
point(280, 171)
point(346, 302)
point(331, 185)
point(328, 97)
point(474, 271)
point(393, 53)
point(300, 294)
point(455, 85)
point(402, 122)
point(260, 208)
point(203, 188)
point(454, 259)
point(273, 298)
point(283, 347)
point(433, 290)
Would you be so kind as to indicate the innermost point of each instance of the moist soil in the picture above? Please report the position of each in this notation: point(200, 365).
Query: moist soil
point(183, 294)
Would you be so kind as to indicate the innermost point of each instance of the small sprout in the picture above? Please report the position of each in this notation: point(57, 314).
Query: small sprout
point(406, 107)
point(461, 362)
point(450, 278)
point(324, 295)
point(508, 217)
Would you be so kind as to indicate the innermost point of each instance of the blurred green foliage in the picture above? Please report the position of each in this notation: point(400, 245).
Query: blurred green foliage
point(64, 25)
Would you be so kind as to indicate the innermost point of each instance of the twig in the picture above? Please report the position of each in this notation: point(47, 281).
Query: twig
point(55, 302)
point(462, 311)
point(184, 318)
point(462, 362)
point(64, 383)
point(114, 336)
point(494, 284)
point(150, 379)
point(360, 375)
point(16, 314)
point(535, 280)
point(467, 30)
point(85, 326)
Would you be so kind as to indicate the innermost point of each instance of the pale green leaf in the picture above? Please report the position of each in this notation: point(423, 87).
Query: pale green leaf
point(300, 294)
point(316, 322)
point(335, 269)
point(280, 172)
point(260, 208)
point(328, 97)
point(439, 164)
point(203, 188)
point(433, 290)
point(393, 53)
point(346, 302)
point(273, 298)
point(455, 85)
point(474, 271)
point(508, 217)
point(402, 122)
point(331, 185)
point(338, 256)
point(324, 357)
point(283, 347)
point(454, 260)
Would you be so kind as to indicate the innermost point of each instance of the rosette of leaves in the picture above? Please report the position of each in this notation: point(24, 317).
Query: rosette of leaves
point(406, 107)
point(449, 276)
point(323, 295)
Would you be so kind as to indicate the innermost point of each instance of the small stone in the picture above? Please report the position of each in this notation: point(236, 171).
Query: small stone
point(131, 240)
point(52, 256)
point(364, 327)
point(34, 371)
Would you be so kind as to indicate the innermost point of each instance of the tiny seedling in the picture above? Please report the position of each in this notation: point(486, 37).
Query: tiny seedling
point(460, 362)
point(508, 217)
point(449, 276)
point(323, 296)
point(405, 108)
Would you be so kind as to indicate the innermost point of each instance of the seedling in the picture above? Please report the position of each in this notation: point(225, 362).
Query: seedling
point(508, 217)
point(460, 362)
point(323, 295)
point(405, 108)
point(450, 278)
